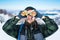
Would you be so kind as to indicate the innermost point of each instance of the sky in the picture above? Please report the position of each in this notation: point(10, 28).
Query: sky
point(22, 4)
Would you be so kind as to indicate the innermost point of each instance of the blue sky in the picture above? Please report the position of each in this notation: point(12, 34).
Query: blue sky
point(22, 4)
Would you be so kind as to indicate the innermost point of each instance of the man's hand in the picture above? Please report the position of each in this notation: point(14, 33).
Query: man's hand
point(17, 17)
point(43, 17)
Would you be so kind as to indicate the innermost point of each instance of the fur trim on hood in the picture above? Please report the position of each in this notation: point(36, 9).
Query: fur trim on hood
point(39, 21)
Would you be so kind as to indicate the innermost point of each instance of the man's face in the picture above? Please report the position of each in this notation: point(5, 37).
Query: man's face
point(30, 19)
point(29, 16)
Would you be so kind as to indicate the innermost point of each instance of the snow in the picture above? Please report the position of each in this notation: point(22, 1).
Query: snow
point(4, 36)
point(6, 17)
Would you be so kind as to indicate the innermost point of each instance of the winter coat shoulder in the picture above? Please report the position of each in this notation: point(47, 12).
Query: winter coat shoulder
point(47, 26)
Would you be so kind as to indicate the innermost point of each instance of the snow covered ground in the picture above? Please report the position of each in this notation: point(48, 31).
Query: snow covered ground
point(4, 36)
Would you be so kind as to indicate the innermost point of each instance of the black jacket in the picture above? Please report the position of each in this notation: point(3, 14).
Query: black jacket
point(47, 29)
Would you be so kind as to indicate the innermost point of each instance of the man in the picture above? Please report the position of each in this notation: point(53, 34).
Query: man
point(34, 27)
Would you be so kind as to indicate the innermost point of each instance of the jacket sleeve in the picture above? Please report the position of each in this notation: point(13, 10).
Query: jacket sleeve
point(50, 27)
point(10, 27)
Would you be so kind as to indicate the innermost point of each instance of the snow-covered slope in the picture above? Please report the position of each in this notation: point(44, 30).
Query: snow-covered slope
point(3, 35)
